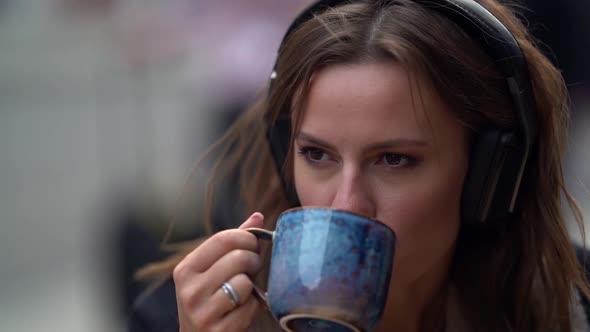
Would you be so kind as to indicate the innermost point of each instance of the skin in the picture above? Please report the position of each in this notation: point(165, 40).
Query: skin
point(374, 142)
point(404, 165)
point(231, 256)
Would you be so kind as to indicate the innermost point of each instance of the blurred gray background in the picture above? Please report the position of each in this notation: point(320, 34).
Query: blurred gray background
point(105, 106)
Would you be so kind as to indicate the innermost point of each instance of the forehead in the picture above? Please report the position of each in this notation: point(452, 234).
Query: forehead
point(374, 99)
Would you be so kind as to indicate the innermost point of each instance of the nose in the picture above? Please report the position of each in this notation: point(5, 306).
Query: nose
point(353, 193)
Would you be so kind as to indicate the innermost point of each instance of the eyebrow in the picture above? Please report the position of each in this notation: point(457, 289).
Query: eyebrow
point(394, 143)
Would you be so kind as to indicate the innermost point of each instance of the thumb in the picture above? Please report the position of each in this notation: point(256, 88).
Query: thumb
point(255, 220)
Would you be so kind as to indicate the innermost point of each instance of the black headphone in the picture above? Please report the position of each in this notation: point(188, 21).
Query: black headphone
point(498, 157)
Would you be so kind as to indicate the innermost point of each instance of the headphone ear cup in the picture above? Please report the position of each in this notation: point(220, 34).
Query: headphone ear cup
point(279, 136)
point(492, 178)
point(481, 178)
point(475, 195)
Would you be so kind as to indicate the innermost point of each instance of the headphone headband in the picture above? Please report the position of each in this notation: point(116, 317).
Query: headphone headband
point(484, 28)
point(501, 164)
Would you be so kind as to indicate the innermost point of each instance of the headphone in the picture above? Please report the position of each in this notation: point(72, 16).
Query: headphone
point(498, 157)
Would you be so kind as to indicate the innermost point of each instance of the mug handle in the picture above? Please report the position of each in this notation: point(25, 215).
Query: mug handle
point(267, 235)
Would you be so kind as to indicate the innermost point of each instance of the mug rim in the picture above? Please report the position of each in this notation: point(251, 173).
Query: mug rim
point(288, 317)
point(318, 207)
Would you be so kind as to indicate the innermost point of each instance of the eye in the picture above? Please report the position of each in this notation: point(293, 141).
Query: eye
point(313, 154)
point(395, 160)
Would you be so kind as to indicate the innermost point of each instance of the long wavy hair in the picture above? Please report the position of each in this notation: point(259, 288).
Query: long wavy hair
point(520, 272)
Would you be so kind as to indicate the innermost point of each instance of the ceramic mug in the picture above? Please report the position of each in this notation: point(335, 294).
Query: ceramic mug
point(329, 271)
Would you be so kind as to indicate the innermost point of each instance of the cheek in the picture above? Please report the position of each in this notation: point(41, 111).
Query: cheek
point(426, 220)
point(308, 190)
point(419, 214)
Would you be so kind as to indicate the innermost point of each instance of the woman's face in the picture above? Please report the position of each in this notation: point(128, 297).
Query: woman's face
point(371, 143)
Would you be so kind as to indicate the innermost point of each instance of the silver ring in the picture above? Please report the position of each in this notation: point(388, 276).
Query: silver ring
point(231, 293)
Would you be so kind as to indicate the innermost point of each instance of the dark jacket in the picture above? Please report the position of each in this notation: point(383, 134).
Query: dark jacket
point(156, 311)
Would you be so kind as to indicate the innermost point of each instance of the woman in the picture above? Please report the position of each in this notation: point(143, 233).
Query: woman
point(390, 107)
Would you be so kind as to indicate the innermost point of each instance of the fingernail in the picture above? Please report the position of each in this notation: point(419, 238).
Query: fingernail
point(257, 215)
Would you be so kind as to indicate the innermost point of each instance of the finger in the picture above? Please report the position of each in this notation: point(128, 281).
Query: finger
point(255, 220)
point(215, 247)
point(220, 303)
point(233, 263)
point(240, 318)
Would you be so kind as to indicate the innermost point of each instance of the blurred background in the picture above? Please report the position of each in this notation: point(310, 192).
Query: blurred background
point(105, 105)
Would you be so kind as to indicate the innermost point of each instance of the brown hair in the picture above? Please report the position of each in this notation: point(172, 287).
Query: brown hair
point(521, 272)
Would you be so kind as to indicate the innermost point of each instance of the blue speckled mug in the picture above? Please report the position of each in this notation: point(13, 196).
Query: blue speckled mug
point(329, 270)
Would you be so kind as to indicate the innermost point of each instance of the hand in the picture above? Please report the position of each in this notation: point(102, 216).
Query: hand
point(229, 256)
